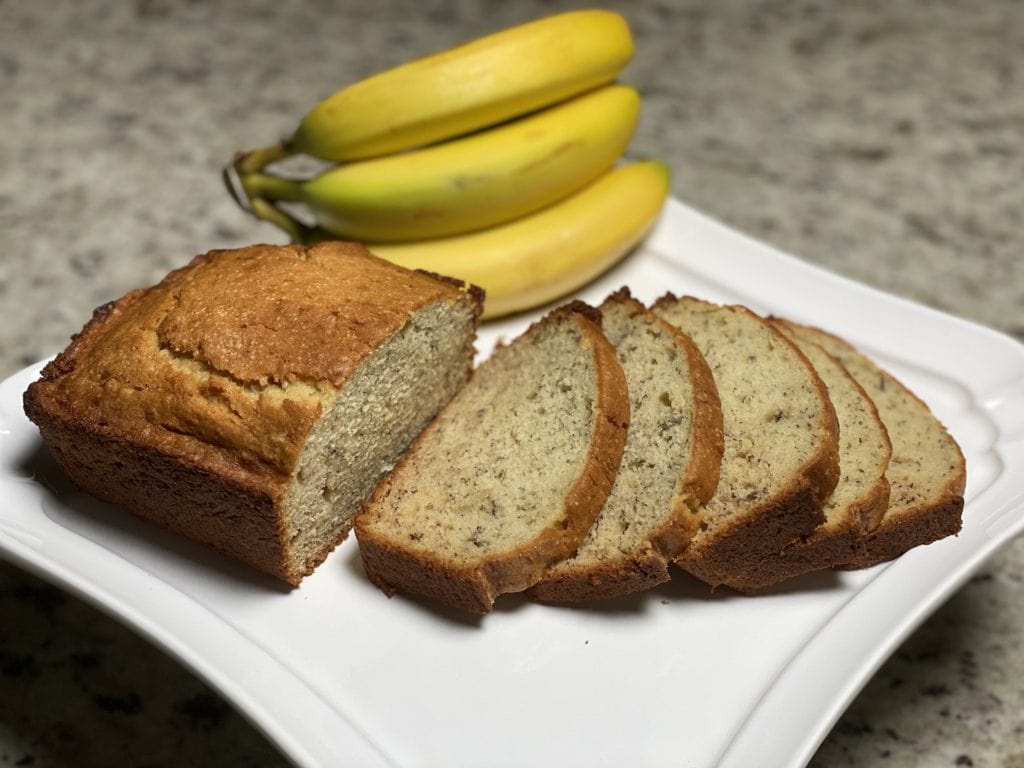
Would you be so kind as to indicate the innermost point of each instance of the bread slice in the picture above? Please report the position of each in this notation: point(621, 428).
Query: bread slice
point(926, 473)
point(669, 467)
point(780, 459)
point(253, 398)
point(860, 497)
point(510, 476)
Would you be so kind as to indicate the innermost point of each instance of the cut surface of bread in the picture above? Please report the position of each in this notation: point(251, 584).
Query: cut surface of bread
point(669, 466)
point(926, 473)
point(510, 475)
point(252, 399)
point(780, 459)
point(860, 497)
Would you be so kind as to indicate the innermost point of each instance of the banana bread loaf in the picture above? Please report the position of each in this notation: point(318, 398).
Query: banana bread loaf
point(253, 398)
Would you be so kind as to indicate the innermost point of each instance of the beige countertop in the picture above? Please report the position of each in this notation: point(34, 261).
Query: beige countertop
point(882, 140)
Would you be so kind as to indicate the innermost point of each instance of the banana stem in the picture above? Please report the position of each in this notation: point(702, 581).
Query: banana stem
point(254, 190)
point(270, 187)
point(264, 209)
point(256, 160)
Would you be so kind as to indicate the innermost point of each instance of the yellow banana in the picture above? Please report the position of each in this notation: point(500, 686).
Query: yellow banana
point(471, 86)
point(472, 182)
point(546, 255)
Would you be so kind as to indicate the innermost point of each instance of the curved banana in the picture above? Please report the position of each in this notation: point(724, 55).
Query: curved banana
point(469, 183)
point(471, 86)
point(546, 255)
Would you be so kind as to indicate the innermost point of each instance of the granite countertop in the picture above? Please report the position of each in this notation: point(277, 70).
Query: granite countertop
point(883, 140)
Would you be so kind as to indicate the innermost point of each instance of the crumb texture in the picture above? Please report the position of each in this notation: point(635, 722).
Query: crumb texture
point(669, 466)
point(496, 469)
point(510, 475)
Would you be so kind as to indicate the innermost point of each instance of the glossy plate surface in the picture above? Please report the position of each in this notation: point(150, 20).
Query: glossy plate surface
point(335, 673)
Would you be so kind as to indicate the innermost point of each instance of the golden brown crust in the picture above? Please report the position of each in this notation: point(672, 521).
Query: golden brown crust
point(828, 546)
point(394, 569)
point(740, 548)
point(271, 296)
point(644, 569)
point(185, 499)
point(476, 294)
point(202, 388)
point(474, 588)
point(940, 519)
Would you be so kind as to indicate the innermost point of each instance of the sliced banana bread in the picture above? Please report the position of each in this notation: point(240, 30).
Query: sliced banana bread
point(862, 493)
point(253, 398)
point(926, 473)
point(669, 467)
point(510, 475)
point(780, 460)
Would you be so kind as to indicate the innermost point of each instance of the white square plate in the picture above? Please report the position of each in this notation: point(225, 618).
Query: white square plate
point(337, 674)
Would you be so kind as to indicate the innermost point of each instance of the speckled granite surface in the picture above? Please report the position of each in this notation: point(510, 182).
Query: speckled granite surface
point(884, 140)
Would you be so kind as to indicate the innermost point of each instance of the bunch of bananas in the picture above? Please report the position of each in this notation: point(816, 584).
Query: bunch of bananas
point(496, 162)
